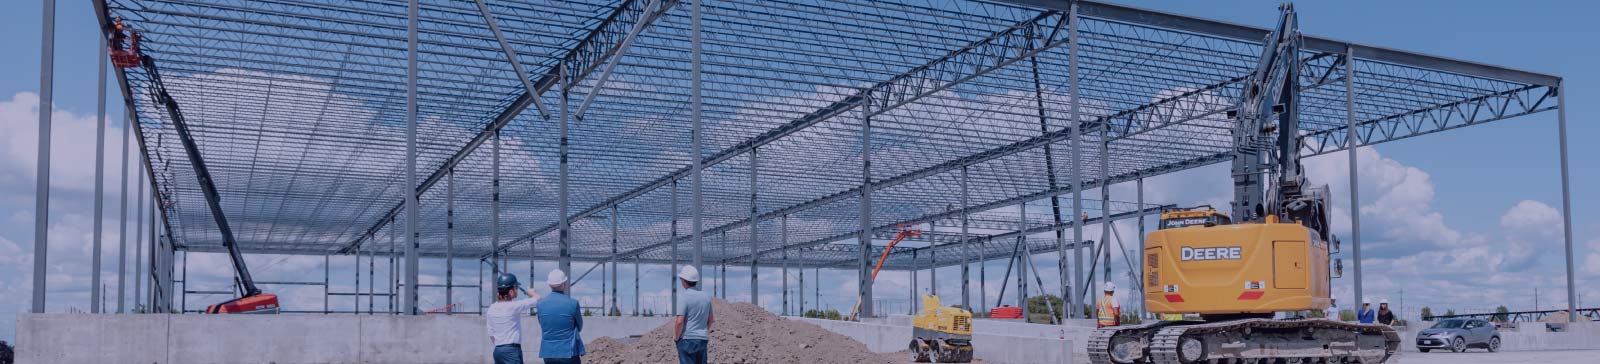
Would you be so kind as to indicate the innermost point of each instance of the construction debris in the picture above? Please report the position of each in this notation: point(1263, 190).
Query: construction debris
point(745, 333)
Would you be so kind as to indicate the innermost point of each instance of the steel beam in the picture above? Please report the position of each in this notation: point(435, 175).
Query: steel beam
point(1216, 28)
point(494, 207)
point(574, 67)
point(977, 59)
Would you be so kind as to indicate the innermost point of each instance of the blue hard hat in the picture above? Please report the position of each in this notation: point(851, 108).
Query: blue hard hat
point(506, 280)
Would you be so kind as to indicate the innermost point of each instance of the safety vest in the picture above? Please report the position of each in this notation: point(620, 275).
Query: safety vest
point(1108, 311)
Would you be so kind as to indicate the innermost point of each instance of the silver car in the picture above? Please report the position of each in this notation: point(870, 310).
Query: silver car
point(1458, 334)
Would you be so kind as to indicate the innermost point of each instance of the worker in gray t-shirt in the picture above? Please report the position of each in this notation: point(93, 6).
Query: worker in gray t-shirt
point(694, 318)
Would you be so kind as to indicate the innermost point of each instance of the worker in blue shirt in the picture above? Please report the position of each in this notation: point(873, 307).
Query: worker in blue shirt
point(1367, 315)
point(560, 322)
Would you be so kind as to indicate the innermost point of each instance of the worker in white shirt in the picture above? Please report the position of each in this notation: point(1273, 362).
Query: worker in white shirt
point(504, 319)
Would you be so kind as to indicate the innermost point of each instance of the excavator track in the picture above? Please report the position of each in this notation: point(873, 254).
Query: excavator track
point(1272, 341)
point(1100, 342)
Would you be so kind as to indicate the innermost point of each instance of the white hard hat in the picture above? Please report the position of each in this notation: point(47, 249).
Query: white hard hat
point(1366, 301)
point(688, 273)
point(1384, 301)
point(556, 278)
point(1110, 287)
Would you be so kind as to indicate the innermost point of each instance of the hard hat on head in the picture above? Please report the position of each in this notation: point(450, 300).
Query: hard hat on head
point(689, 273)
point(1110, 287)
point(556, 278)
point(1366, 302)
point(505, 280)
point(1383, 301)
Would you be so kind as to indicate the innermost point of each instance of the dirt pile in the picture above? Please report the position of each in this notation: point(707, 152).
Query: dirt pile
point(744, 333)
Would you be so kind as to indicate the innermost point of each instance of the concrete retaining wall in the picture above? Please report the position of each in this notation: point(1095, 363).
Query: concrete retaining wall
point(280, 339)
point(892, 335)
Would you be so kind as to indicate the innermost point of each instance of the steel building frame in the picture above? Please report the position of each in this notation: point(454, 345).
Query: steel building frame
point(802, 130)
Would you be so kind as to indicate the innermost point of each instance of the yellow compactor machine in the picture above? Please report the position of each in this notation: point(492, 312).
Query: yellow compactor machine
point(941, 334)
point(1252, 279)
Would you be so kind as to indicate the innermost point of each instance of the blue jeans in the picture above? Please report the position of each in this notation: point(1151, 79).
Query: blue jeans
point(508, 354)
point(692, 351)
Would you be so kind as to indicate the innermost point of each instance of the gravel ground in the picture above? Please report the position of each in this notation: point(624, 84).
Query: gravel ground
point(1507, 357)
point(745, 334)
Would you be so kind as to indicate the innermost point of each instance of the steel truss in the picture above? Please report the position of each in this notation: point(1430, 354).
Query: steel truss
point(298, 106)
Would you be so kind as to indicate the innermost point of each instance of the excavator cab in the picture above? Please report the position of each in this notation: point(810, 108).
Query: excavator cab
point(1202, 215)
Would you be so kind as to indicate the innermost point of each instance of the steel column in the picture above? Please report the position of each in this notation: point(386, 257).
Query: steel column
point(1355, 183)
point(409, 303)
point(1023, 261)
point(494, 205)
point(183, 301)
point(755, 246)
point(327, 272)
point(41, 207)
point(695, 132)
point(614, 263)
point(863, 269)
point(138, 237)
point(122, 234)
point(966, 247)
point(911, 294)
point(450, 242)
point(636, 262)
point(1566, 199)
point(1105, 210)
point(1139, 201)
point(1077, 163)
point(783, 240)
point(99, 179)
point(563, 242)
point(673, 282)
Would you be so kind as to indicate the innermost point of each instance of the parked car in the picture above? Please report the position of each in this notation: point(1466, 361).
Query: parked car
point(1459, 334)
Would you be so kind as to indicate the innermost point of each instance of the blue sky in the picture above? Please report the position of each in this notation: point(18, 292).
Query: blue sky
point(1447, 222)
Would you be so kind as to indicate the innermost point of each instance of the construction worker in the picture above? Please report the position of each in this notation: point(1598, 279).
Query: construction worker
point(504, 319)
point(693, 324)
point(1366, 315)
point(560, 322)
point(1385, 316)
point(1110, 310)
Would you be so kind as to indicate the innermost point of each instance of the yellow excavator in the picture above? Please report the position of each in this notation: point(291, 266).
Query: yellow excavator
point(1250, 281)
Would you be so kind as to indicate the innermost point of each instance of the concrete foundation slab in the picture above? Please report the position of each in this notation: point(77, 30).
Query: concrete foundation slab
point(78, 338)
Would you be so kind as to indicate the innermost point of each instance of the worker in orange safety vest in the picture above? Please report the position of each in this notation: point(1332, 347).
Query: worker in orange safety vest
point(1110, 310)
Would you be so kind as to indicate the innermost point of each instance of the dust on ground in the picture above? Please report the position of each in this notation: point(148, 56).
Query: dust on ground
point(745, 333)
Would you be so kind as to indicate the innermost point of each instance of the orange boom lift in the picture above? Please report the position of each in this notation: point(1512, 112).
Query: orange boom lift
point(251, 299)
